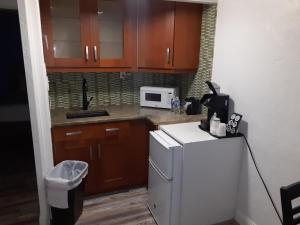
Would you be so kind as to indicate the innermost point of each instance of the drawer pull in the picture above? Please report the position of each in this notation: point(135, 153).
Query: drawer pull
point(87, 57)
point(168, 55)
point(112, 129)
point(73, 133)
point(95, 53)
point(159, 172)
point(46, 41)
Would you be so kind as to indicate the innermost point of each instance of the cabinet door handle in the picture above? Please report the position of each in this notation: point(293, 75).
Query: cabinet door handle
point(91, 152)
point(99, 151)
point(112, 129)
point(46, 41)
point(73, 133)
point(168, 55)
point(86, 53)
point(95, 53)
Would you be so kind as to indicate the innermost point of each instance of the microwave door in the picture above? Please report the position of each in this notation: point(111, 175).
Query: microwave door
point(153, 97)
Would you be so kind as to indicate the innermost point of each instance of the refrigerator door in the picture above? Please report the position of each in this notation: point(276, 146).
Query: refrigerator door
point(160, 190)
point(162, 149)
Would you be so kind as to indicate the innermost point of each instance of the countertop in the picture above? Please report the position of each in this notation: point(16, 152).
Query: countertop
point(124, 112)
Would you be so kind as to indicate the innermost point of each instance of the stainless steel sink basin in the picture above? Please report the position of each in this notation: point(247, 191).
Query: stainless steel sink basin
point(83, 114)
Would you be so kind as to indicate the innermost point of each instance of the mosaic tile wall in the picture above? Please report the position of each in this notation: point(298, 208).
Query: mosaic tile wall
point(109, 89)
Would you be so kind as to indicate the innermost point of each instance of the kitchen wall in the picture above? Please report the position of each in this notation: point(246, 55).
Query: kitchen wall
point(257, 61)
point(109, 89)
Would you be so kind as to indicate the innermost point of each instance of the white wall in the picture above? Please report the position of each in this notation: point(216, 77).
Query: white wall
point(257, 62)
point(37, 87)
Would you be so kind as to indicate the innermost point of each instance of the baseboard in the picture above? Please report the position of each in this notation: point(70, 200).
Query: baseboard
point(242, 219)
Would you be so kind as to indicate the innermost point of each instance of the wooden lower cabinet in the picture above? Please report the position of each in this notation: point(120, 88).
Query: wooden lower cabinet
point(117, 153)
point(139, 152)
point(112, 169)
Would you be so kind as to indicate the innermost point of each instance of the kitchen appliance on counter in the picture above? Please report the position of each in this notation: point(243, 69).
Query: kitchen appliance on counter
point(193, 176)
point(157, 97)
point(193, 106)
point(216, 103)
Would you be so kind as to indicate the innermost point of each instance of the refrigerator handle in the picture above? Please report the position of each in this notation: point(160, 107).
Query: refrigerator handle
point(160, 173)
point(160, 140)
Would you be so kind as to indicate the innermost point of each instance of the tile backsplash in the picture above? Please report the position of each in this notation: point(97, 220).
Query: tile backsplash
point(109, 89)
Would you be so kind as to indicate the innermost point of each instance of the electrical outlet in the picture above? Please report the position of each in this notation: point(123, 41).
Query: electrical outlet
point(123, 75)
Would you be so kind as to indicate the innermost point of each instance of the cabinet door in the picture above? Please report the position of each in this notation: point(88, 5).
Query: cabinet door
point(188, 18)
point(72, 143)
point(112, 157)
point(155, 34)
point(113, 33)
point(112, 166)
point(66, 32)
point(77, 150)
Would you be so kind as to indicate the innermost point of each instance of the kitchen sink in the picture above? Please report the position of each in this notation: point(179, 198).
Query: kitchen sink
point(83, 114)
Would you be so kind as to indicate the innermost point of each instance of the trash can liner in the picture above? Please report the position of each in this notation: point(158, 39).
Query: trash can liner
point(65, 176)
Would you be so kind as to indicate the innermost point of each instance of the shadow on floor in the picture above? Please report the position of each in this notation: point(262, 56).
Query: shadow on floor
point(18, 187)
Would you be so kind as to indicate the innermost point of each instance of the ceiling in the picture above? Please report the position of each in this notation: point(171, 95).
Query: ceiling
point(8, 4)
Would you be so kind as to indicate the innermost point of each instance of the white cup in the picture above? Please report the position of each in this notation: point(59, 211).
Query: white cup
point(221, 131)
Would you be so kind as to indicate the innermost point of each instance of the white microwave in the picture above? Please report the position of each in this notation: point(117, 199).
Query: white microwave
point(157, 97)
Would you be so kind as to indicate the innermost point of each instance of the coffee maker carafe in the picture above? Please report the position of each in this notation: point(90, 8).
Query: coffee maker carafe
point(215, 103)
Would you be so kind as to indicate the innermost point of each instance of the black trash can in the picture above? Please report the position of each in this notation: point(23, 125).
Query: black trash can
point(65, 191)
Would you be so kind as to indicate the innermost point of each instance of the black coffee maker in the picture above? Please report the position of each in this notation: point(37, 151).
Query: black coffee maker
point(216, 103)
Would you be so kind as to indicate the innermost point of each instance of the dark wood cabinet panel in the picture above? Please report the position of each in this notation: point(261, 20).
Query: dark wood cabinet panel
point(111, 162)
point(169, 35)
point(139, 152)
point(121, 35)
point(188, 19)
point(77, 149)
point(155, 34)
point(113, 33)
point(117, 153)
point(112, 167)
point(66, 35)
point(103, 35)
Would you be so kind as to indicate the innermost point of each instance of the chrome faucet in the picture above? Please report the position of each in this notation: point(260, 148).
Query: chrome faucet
point(85, 101)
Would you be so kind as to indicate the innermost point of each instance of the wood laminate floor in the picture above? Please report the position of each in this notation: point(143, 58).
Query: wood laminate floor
point(19, 205)
point(18, 199)
point(127, 208)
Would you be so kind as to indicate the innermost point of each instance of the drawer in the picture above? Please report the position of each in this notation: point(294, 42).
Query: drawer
point(107, 131)
point(77, 132)
point(116, 131)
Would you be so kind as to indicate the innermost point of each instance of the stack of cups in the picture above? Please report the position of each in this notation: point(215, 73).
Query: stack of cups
point(217, 128)
point(221, 132)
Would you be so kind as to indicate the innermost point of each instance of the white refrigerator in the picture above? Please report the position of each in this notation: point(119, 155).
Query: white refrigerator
point(193, 177)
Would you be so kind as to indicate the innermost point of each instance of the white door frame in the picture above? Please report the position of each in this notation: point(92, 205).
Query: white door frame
point(37, 88)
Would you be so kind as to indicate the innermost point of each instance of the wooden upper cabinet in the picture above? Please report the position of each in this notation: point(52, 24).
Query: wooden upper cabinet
point(113, 35)
point(93, 33)
point(155, 34)
point(187, 32)
point(121, 35)
point(168, 35)
point(65, 32)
